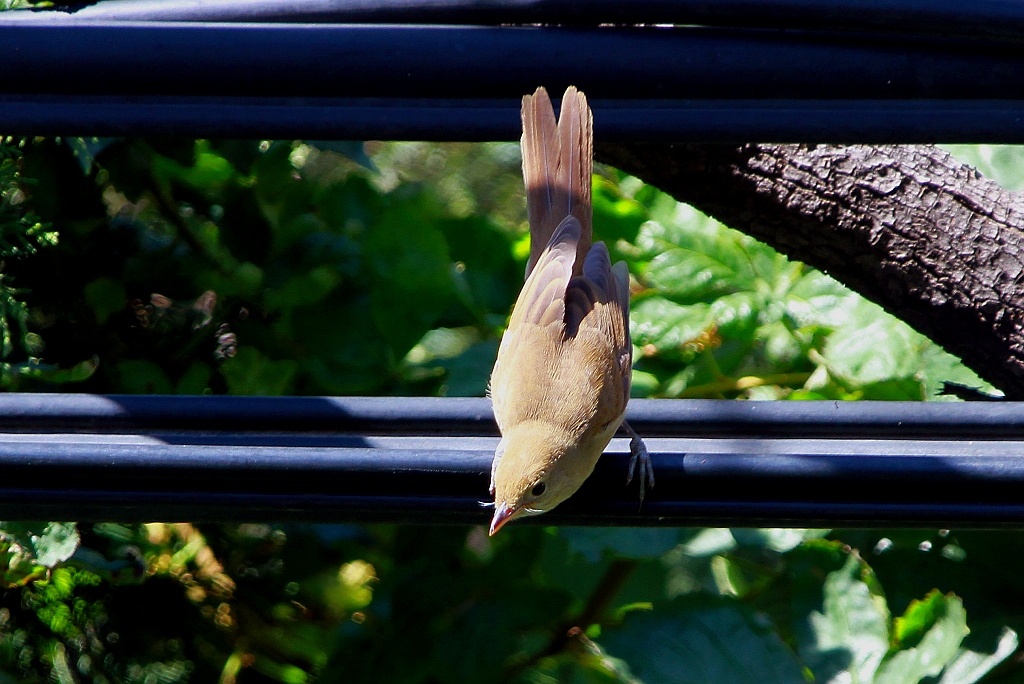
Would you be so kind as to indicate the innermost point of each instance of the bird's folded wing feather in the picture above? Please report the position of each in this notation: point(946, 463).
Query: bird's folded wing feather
point(597, 326)
point(537, 325)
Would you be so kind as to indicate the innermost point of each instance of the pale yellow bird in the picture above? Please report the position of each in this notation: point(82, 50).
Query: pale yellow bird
point(562, 377)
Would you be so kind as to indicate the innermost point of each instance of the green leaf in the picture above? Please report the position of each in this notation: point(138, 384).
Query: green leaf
point(668, 326)
point(471, 646)
point(85, 150)
point(105, 297)
point(308, 287)
point(872, 347)
point(1001, 163)
point(643, 384)
point(939, 367)
point(289, 231)
point(710, 541)
point(483, 260)
point(195, 379)
point(354, 150)
point(83, 370)
point(938, 625)
point(243, 280)
point(920, 616)
point(699, 639)
point(340, 252)
point(589, 665)
point(458, 354)
point(778, 539)
point(898, 389)
point(56, 544)
point(469, 372)
point(286, 674)
point(250, 372)
point(410, 268)
point(49, 543)
point(209, 173)
point(558, 565)
point(968, 666)
point(841, 626)
point(817, 299)
point(737, 315)
point(280, 193)
point(616, 216)
point(343, 352)
point(624, 542)
point(689, 276)
point(138, 376)
point(349, 207)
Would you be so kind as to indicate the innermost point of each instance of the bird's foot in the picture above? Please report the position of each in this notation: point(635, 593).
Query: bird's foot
point(639, 458)
point(498, 453)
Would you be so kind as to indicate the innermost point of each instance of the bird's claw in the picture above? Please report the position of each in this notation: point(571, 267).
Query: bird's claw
point(498, 453)
point(639, 457)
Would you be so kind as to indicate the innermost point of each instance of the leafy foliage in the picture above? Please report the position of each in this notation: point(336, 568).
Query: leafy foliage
point(722, 315)
point(21, 234)
point(334, 268)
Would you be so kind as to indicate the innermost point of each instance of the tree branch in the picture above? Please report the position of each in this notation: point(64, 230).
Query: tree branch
point(908, 227)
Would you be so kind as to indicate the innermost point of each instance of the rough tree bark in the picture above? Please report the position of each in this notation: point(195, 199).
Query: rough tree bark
point(908, 227)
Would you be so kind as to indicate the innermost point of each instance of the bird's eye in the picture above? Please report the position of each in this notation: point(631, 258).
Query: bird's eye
point(538, 489)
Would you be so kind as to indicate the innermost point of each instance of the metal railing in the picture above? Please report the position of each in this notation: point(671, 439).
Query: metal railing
point(837, 71)
point(418, 460)
point(849, 71)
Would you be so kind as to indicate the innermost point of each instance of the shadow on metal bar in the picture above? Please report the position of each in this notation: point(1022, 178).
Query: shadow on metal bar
point(427, 460)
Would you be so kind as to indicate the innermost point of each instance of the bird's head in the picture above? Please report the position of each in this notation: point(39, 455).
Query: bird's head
point(538, 470)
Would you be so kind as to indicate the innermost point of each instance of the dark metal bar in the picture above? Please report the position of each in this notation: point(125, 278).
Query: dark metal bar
point(268, 60)
point(427, 460)
point(464, 83)
point(983, 18)
point(472, 120)
point(56, 413)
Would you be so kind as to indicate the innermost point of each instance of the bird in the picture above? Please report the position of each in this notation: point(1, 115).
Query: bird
point(561, 379)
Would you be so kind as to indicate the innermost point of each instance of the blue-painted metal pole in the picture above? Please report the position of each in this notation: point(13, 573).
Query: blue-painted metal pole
point(984, 19)
point(465, 82)
point(416, 460)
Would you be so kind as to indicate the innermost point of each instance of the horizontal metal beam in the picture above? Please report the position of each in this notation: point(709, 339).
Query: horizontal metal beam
point(980, 19)
point(464, 83)
point(405, 416)
point(427, 460)
point(475, 120)
point(283, 60)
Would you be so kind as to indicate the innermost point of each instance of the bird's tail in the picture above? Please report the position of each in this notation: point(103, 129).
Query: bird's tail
point(558, 162)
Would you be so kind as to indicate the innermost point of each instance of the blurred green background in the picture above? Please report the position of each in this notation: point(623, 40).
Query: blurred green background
point(274, 267)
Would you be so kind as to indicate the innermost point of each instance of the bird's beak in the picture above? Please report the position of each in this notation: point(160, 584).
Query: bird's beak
point(502, 514)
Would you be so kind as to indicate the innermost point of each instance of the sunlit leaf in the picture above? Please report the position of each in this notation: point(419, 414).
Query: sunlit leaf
point(969, 666)
point(929, 635)
point(702, 640)
point(872, 347)
point(47, 543)
point(841, 625)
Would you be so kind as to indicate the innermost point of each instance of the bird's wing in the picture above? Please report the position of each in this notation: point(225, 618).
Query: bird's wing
point(599, 298)
point(542, 300)
point(597, 326)
point(538, 319)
